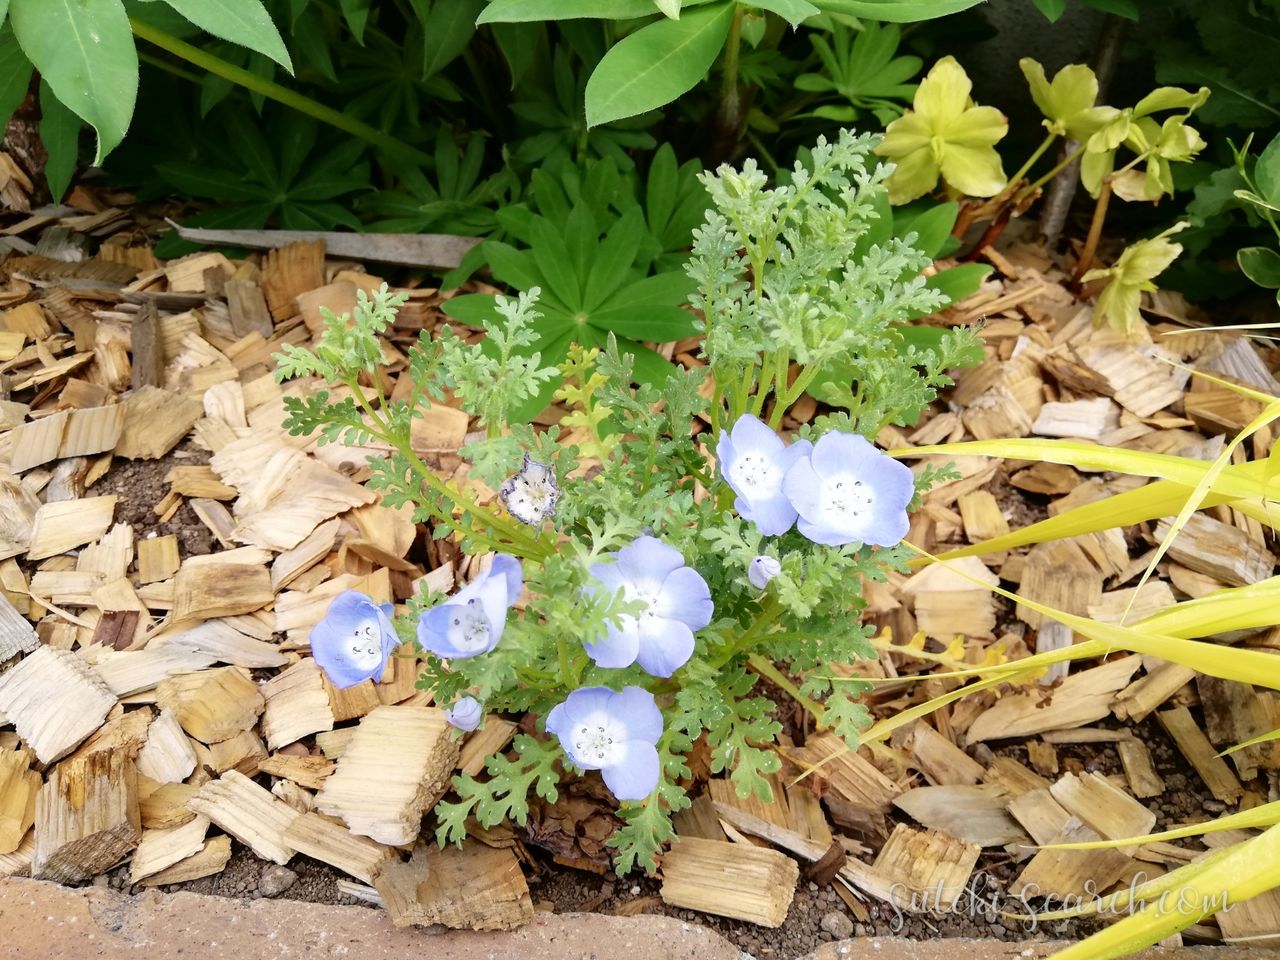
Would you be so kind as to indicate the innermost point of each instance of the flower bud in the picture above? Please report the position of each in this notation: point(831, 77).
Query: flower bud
point(465, 714)
point(761, 570)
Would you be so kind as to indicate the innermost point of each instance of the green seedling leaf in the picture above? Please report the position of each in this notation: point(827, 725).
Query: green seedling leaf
point(84, 49)
point(896, 11)
point(244, 22)
point(15, 73)
point(793, 11)
point(60, 133)
point(1266, 173)
point(656, 64)
point(1261, 265)
point(524, 11)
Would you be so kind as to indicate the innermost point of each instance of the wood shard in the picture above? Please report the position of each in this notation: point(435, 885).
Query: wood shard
point(395, 768)
point(1195, 746)
point(157, 558)
point(19, 785)
point(87, 817)
point(1219, 550)
point(472, 887)
point(67, 524)
point(208, 590)
point(1082, 698)
point(745, 882)
point(249, 813)
point(54, 700)
point(853, 778)
point(155, 421)
point(160, 849)
point(166, 805)
point(212, 705)
point(296, 705)
point(211, 859)
point(322, 839)
point(309, 772)
point(971, 812)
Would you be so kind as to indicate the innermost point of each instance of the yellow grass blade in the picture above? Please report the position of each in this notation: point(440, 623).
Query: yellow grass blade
point(1236, 608)
point(1246, 870)
point(1245, 666)
point(1266, 815)
point(1090, 456)
point(1261, 738)
point(1269, 413)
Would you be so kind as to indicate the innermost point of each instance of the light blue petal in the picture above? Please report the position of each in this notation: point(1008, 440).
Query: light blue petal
point(823, 533)
point(507, 569)
point(665, 646)
point(582, 703)
point(892, 483)
point(330, 637)
point(609, 576)
point(886, 527)
point(433, 632)
point(752, 435)
point(725, 454)
point(634, 776)
point(773, 515)
point(636, 706)
point(619, 647)
point(841, 453)
point(801, 487)
point(648, 558)
point(686, 597)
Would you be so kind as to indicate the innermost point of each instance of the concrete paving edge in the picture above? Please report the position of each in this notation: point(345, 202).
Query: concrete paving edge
point(45, 921)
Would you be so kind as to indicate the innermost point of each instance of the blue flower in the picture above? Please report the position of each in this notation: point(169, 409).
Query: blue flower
point(531, 493)
point(615, 732)
point(465, 714)
point(761, 570)
point(753, 461)
point(847, 491)
point(677, 602)
point(354, 640)
point(471, 621)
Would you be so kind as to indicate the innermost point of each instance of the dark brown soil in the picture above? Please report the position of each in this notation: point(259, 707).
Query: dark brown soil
point(140, 485)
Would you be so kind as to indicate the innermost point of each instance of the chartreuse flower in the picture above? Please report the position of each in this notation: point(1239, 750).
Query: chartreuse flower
point(1067, 101)
point(945, 135)
point(753, 460)
point(471, 621)
point(677, 601)
point(465, 714)
point(354, 640)
point(847, 491)
point(615, 732)
point(1129, 276)
point(1155, 144)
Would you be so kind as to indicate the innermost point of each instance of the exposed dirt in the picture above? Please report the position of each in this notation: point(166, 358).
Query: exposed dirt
point(141, 484)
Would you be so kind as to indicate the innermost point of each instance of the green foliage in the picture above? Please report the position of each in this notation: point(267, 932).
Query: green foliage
point(1259, 191)
point(863, 68)
point(294, 180)
point(85, 54)
point(773, 265)
point(597, 253)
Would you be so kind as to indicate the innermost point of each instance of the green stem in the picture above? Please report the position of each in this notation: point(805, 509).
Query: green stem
point(521, 541)
point(730, 110)
point(789, 397)
point(1031, 188)
point(767, 670)
point(274, 91)
point(161, 64)
point(1031, 160)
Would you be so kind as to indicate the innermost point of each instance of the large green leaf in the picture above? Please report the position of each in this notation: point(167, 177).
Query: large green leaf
point(15, 74)
point(244, 22)
point(84, 49)
point(1266, 172)
point(656, 64)
point(793, 11)
point(356, 13)
point(1261, 265)
point(446, 31)
point(897, 11)
point(523, 11)
point(4, 10)
point(60, 134)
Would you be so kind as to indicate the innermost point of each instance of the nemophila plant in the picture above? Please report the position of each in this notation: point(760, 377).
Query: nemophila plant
point(636, 586)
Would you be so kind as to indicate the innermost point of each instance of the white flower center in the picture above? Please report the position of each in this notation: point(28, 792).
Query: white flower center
point(598, 741)
point(646, 593)
point(847, 496)
point(469, 627)
point(755, 475)
point(365, 645)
